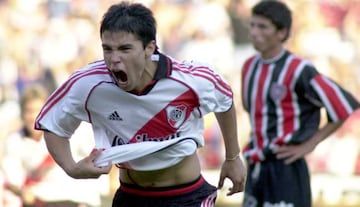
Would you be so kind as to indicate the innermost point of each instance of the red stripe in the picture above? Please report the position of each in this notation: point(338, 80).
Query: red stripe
point(151, 192)
point(335, 101)
point(287, 107)
point(61, 92)
point(201, 72)
point(227, 93)
point(39, 171)
point(156, 127)
point(245, 72)
point(216, 77)
point(255, 157)
point(259, 105)
point(61, 89)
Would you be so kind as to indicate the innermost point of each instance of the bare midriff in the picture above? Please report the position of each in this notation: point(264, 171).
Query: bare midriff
point(185, 171)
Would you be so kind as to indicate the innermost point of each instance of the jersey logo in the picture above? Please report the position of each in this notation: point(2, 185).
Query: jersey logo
point(176, 115)
point(277, 92)
point(115, 116)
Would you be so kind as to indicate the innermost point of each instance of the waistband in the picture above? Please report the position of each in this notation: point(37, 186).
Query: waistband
point(162, 191)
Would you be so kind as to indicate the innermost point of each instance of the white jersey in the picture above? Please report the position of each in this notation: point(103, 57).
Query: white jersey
point(25, 157)
point(168, 110)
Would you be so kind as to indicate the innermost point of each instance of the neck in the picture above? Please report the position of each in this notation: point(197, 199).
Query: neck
point(273, 59)
point(148, 75)
point(270, 54)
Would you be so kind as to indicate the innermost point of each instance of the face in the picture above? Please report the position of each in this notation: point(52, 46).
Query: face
point(126, 58)
point(30, 111)
point(265, 37)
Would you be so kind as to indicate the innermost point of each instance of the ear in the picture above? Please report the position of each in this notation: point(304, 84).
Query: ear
point(283, 34)
point(150, 48)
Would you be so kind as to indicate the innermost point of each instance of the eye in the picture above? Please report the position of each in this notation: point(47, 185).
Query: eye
point(125, 49)
point(106, 49)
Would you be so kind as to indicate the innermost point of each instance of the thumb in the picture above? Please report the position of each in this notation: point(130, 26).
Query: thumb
point(95, 153)
point(221, 181)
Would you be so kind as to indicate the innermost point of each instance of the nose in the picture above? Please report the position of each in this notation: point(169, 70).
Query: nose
point(113, 60)
point(115, 57)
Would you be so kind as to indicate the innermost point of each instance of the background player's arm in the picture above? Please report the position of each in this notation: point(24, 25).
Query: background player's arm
point(59, 148)
point(291, 153)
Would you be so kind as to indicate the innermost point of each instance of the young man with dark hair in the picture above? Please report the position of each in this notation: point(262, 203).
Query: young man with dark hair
point(283, 95)
point(147, 112)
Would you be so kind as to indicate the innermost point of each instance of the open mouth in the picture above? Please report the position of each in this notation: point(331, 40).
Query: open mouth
point(121, 75)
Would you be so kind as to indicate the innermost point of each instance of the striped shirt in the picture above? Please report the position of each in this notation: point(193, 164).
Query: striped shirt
point(283, 97)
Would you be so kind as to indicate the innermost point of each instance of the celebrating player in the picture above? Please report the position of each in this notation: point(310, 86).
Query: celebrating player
point(147, 111)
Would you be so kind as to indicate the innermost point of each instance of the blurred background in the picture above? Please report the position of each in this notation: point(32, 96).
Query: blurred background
point(44, 41)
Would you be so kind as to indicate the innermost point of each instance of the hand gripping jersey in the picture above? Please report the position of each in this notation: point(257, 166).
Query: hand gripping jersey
point(283, 98)
point(149, 130)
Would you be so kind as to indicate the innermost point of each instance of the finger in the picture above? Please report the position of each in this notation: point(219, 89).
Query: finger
point(237, 187)
point(95, 153)
point(232, 191)
point(280, 149)
point(283, 155)
point(291, 160)
point(221, 182)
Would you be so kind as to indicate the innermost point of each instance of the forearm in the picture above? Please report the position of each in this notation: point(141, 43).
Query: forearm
point(59, 149)
point(325, 132)
point(228, 125)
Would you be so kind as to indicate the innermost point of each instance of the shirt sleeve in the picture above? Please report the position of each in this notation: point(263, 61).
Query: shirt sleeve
point(64, 110)
point(324, 92)
point(215, 94)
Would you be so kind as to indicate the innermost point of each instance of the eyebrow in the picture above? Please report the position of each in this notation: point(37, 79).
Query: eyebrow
point(119, 46)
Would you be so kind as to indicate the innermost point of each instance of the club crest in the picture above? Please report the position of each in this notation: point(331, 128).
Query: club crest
point(176, 115)
point(277, 92)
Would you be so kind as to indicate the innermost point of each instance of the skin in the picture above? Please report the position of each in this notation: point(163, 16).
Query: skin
point(132, 68)
point(265, 37)
point(31, 110)
point(124, 54)
point(268, 41)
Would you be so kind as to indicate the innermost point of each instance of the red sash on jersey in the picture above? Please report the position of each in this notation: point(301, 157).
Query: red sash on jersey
point(37, 174)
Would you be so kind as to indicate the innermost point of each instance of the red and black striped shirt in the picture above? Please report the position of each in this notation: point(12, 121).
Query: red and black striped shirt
point(283, 98)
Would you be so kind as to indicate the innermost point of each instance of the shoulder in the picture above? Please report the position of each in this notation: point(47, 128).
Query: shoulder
point(86, 78)
point(304, 66)
point(95, 70)
point(193, 69)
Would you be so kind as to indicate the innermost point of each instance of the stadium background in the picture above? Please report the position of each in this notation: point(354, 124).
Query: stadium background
point(43, 41)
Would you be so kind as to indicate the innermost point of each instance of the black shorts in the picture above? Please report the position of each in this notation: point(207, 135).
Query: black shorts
point(195, 194)
point(273, 183)
point(52, 204)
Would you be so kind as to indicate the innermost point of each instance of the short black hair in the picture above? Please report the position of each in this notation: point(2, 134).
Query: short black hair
point(277, 12)
point(133, 18)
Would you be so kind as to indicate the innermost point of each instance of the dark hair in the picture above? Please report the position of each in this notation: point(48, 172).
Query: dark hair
point(129, 17)
point(277, 12)
point(32, 92)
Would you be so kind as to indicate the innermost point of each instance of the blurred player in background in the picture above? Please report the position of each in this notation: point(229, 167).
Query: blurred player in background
point(32, 178)
point(283, 95)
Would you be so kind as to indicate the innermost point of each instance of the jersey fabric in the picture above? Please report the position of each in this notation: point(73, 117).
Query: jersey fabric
point(171, 107)
point(283, 97)
point(28, 165)
point(146, 156)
